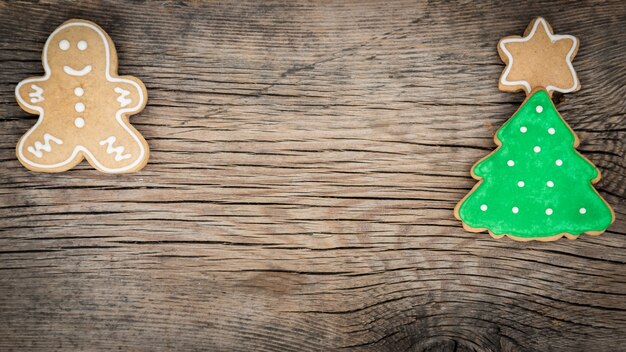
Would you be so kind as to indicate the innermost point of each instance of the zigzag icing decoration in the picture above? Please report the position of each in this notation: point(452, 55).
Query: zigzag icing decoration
point(37, 95)
point(117, 150)
point(122, 98)
point(45, 146)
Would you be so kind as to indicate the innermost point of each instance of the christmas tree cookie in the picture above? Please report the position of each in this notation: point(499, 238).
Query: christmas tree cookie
point(535, 185)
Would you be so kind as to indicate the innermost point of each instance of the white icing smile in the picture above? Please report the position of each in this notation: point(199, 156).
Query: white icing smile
point(70, 71)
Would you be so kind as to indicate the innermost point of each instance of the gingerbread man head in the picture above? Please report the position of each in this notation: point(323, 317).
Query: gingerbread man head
point(78, 49)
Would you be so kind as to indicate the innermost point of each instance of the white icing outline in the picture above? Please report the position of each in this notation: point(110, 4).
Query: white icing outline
point(553, 38)
point(72, 72)
point(118, 115)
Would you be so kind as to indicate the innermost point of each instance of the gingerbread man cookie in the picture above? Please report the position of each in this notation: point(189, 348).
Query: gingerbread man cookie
point(536, 185)
point(83, 106)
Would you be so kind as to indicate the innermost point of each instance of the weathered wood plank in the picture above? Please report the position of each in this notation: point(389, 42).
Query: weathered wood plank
point(306, 158)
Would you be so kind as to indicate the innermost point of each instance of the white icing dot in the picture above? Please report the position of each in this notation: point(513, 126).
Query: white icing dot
point(548, 211)
point(523, 129)
point(79, 122)
point(550, 184)
point(78, 91)
point(82, 45)
point(510, 162)
point(537, 149)
point(551, 130)
point(582, 210)
point(559, 162)
point(64, 44)
point(515, 210)
point(80, 107)
point(483, 207)
point(539, 109)
point(520, 184)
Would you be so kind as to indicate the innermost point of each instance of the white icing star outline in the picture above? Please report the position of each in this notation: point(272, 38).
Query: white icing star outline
point(553, 38)
point(119, 115)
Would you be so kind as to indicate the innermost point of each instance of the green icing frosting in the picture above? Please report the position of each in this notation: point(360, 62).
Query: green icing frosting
point(535, 184)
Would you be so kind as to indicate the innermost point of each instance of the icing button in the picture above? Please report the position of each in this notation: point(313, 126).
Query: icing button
point(523, 129)
point(537, 149)
point(539, 109)
point(550, 184)
point(515, 210)
point(78, 91)
point(483, 207)
point(559, 162)
point(551, 130)
point(548, 211)
point(510, 162)
point(79, 107)
point(79, 122)
point(582, 210)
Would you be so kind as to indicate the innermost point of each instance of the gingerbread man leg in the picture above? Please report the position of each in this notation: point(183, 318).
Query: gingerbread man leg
point(122, 149)
point(45, 147)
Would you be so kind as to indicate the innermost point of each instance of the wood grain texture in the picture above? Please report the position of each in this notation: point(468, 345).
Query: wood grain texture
point(306, 158)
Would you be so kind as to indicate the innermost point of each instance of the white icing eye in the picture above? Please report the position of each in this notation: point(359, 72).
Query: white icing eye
point(82, 45)
point(64, 44)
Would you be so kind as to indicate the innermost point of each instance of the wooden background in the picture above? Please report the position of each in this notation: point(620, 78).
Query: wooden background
point(306, 158)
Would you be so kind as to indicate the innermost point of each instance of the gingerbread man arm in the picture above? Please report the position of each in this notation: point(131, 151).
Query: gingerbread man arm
point(31, 93)
point(131, 94)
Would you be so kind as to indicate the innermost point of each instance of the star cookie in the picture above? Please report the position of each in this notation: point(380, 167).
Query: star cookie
point(539, 59)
